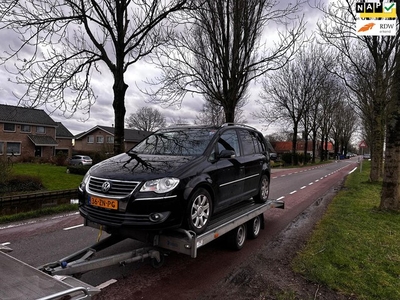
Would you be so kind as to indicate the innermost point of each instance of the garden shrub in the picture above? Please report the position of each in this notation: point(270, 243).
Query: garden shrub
point(61, 158)
point(5, 171)
point(21, 183)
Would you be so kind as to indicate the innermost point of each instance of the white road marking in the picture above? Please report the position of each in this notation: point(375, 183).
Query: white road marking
point(17, 225)
point(303, 187)
point(73, 227)
point(291, 193)
point(353, 170)
point(66, 215)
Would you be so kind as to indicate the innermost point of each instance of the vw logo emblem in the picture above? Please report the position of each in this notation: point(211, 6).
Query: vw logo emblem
point(105, 187)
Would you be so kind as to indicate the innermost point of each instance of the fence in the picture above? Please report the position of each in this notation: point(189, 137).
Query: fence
point(33, 201)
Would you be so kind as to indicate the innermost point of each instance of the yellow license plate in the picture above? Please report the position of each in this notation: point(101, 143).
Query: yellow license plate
point(105, 203)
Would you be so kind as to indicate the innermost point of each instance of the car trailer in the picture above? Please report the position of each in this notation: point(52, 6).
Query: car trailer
point(244, 220)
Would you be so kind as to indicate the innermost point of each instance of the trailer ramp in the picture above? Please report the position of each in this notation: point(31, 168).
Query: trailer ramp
point(19, 280)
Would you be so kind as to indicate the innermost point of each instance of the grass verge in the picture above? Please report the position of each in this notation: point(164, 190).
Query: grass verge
point(355, 248)
point(53, 177)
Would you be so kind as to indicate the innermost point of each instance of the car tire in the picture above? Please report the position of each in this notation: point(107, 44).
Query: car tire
point(254, 227)
point(237, 237)
point(199, 211)
point(263, 190)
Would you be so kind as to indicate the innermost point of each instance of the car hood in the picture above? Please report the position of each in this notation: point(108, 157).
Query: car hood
point(140, 167)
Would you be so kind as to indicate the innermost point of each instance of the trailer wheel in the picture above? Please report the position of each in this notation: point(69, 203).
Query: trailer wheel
point(199, 211)
point(263, 190)
point(254, 227)
point(158, 264)
point(237, 237)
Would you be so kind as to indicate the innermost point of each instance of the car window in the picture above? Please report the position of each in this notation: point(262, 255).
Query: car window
point(247, 142)
point(251, 142)
point(176, 142)
point(229, 141)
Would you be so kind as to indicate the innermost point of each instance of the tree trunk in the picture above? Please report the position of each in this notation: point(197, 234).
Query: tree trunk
point(314, 146)
point(119, 88)
point(390, 196)
point(294, 144)
point(377, 148)
point(229, 113)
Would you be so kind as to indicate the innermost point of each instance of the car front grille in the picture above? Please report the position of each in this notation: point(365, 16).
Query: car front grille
point(118, 188)
point(112, 218)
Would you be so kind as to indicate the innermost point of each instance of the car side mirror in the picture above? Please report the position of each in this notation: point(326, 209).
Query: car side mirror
point(227, 154)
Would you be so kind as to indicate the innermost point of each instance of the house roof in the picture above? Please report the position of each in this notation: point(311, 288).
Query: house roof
point(25, 115)
point(130, 135)
point(42, 140)
point(63, 132)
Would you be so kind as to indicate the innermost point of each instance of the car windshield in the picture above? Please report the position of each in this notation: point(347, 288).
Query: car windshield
point(176, 142)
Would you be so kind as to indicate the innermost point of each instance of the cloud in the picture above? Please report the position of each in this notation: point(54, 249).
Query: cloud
point(101, 112)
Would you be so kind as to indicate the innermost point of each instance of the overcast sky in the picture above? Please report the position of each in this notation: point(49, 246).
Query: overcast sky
point(102, 111)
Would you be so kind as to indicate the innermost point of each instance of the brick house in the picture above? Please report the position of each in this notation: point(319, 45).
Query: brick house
point(64, 140)
point(101, 139)
point(286, 147)
point(27, 132)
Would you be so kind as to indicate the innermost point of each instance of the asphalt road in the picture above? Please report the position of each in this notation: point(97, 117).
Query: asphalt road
point(48, 239)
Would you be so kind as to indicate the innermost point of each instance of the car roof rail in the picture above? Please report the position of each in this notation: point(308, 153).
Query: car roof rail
point(237, 124)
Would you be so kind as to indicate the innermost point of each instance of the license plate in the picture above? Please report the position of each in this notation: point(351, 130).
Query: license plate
point(103, 202)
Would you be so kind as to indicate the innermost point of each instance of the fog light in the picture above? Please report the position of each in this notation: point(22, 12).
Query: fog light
point(155, 217)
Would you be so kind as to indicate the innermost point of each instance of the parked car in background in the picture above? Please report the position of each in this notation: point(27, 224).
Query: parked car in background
point(366, 156)
point(81, 160)
point(176, 177)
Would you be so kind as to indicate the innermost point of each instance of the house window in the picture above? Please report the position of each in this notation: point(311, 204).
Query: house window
point(99, 139)
point(13, 148)
point(40, 129)
point(90, 139)
point(9, 127)
point(1, 148)
point(25, 128)
point(110, 139)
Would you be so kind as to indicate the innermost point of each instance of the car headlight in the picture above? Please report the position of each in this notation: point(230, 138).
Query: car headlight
point(162, 185)
point(85, 180)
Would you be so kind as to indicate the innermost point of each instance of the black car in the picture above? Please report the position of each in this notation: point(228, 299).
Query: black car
point(177, 177)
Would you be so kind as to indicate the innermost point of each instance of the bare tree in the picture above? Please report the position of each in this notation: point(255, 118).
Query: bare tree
point(289, 94)
point(390, 196)
point(344, 125)
point(375, 55)
point(64, 41)
point(146, 119)
point(219, 51)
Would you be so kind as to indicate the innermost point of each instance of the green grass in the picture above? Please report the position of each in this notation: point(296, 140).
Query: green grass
point(355, 248)
point(53, 177)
